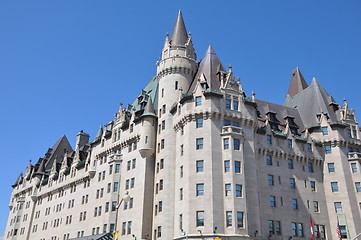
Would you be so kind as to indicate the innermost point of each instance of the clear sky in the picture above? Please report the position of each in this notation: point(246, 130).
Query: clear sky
point(66, 65)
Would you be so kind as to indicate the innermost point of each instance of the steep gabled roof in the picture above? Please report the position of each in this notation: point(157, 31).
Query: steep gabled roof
point(297, 83)
point(179, 35)
point(209, 68)
point(312, 101)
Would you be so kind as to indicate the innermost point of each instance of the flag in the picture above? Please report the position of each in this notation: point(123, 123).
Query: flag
point(338, 231)
point(311, 229)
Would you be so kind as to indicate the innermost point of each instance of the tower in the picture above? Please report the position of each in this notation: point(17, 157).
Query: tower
point(175, 72)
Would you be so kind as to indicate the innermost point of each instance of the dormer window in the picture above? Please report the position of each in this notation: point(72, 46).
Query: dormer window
point(294, 131)
point(324, 131)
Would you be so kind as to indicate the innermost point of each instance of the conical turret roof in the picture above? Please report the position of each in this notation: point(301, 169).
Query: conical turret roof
point(208, 70)
point(179, 35)
point(149, 109)
point(297, 83)
point(99, 134)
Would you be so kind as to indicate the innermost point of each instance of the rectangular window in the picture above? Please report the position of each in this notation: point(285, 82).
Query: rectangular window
point(343, 231)
point(199, 122)
point(271, 227)
point(292, 183)
point(228, 103)
point(309, 147)
point(163, 124)
point(181, 150)
point(289, 143)
point(328, 149)
point(200, 218)
point(132, 181)
point(181, 194)
point(229, 218)
point(180, 221)
point(324, 130)
point(236, 144)
point(235, 105)
point(161, 163)
point(338, 207)
point(272, 201)
point(164, 108)
point(162, 144)
point(315, 206)
point(199, 143)
point(240, 220)
point(134, 163)
point(310, 167)
point(226, 122)
point(129, 164)
point(238, 190)
point(200, 167)
point(160, 204)
point(358, 186)
point(124, 228)
point(277, 227)
point(300, 229)
point(198, 101)
point(269, 139)
point(226, 143)
point(354, 167)
point(313, 186)
point(290, 164)
point(270, 180)
point(176, 85)
point(294, 203)
point(227, 166)
point(294, 229)
point(237, 166)
point(334, 186)
point(127, 184)
point(269, 160)
point(331, 167)
point(227, 189)
point(200, 189)
point(115, 187)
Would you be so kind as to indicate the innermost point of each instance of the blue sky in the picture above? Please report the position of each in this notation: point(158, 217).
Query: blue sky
point(66, 65)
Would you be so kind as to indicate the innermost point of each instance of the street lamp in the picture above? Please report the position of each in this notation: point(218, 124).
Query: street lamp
point(125, 198)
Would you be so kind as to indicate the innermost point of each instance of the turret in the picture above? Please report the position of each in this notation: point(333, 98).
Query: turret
point(147, 141)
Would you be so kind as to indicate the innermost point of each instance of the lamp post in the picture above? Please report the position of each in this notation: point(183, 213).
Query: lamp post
point(125, 198)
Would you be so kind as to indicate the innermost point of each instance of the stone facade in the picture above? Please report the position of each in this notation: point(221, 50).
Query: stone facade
point(200, 159)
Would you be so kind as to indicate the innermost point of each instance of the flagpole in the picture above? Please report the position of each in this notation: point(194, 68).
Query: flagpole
point(348, 231)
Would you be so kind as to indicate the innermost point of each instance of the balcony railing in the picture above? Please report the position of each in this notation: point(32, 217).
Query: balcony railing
point(231, 129)
point(354, 156)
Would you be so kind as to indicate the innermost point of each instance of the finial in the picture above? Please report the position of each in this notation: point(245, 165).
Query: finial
point(121, 103)
point(167, 34)
point(239, 80)
point(189, 34)
point(230, 67)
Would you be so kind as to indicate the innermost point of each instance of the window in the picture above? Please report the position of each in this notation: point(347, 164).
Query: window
point(238, 190)
point(269, 139)
point(294, 203)
point(200, 189)
point(270, 180)
point(227, 166)
point(269, 160)
point(235, 105)
point(160, 184)
point(315, 206)
point(110, 172)
point(237, 166)
point(181, 171)
point(181, 194)
point(227, 189)
point(115, 186)
point(228, 103)
point(229, 218)
point(272, 201)
point(236, 144)
point(300, 229)
point(328, 149)
point(200, 218)
point(199, 143)
point(354, 167)
point(292, 183)
point(159, 231)
point(334, 186)
point(310, 167)
point(309, 147)
point(176, 85)
point(163, 124)
point(180, 221)
point(289, 143)
point(132, 180)
point(240, 220)
point(358, 186)
point(313, 186)
point(331, 167)
point(226, 143)
point(226, 122)
point(117, 168)
point(343, 231)
point(324, 130)
point(160, 204)
point(162, 144)
point(161, 163)
point(124, 228)
point(338, 207)
point(198, 101)
point(200, 166)
point(274, 227)
point(199, 122)
point(181, 150)
point(127, 184)
point(164, 108)
point(129, 163)
point(134, 163)
point(290, 164)
point(294, 229)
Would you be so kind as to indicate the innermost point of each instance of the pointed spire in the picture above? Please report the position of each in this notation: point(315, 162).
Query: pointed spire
point(179, 35)
point(19, 180)
point(149, 109)
point(99, 134)
point(297, 83)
